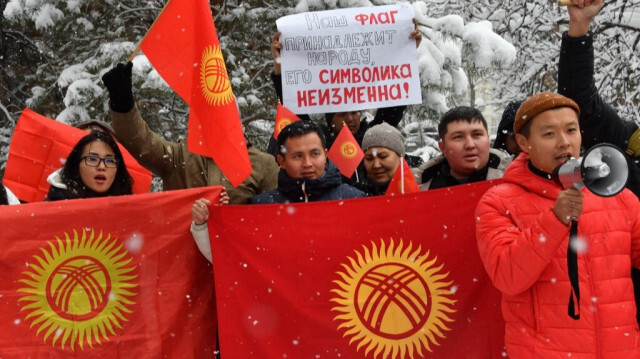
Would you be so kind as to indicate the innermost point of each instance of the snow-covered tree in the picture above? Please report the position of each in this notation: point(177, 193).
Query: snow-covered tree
point(54, 52)
point(535, 29)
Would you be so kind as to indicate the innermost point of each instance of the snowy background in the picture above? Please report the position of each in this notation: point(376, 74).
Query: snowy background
point(484, 53)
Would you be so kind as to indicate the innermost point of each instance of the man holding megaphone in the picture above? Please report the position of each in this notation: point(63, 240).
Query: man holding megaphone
point(523, 230)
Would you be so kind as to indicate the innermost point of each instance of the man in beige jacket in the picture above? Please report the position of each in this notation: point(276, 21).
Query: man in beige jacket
point(171, 161)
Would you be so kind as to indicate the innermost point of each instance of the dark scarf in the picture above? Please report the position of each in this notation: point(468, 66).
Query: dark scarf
point(295, 188)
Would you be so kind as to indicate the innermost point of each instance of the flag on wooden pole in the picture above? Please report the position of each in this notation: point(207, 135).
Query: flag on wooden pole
point(183, 47)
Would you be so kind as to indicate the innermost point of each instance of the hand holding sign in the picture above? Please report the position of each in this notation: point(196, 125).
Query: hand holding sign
point(416, 35)
point(276, 46)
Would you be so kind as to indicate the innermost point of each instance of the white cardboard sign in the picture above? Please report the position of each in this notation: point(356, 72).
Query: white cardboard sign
point(349, 59)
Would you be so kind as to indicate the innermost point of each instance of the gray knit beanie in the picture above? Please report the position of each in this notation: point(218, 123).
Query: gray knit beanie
point(384, 135)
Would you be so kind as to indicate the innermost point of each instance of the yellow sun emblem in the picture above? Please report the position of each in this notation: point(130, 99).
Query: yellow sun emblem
point(79, 289)
point(214, 79)
point(348, 149)
point(283, 123)
point(393, 301)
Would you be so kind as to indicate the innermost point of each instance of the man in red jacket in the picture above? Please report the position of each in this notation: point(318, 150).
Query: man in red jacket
point(522, 230)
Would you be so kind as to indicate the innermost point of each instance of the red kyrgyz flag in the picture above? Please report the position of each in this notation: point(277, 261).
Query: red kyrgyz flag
point(114, 277)
point(345, 152)
point(284, 117)
point(386, 277)
point(183, 47)
point(40, 145)
point(402, 181)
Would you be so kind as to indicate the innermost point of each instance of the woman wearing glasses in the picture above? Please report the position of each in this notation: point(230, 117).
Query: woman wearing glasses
point(94, 168)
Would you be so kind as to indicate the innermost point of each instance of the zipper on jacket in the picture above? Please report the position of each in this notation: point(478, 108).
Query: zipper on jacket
point(534, 307)
point(304, 192)
point(595, 312)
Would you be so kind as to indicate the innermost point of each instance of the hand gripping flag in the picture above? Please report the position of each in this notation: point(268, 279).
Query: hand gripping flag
point(402, 181)
point(284, 117)
point(345, 152)
point(390, 277)
point(113, 277)
point(40, 145)
point(183, 47)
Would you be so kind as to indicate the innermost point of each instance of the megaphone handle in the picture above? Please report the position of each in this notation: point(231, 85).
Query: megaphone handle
point(572, 266)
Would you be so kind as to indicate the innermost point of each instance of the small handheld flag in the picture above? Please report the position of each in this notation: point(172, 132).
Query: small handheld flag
point(402, 181)
point(345, 152)
point(284, 117)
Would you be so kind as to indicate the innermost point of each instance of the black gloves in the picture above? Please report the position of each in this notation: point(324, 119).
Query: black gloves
point(118, 82)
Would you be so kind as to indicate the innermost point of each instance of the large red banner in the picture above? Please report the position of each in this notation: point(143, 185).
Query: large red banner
point(380, 277)
point(40, 145)
point(116, 277)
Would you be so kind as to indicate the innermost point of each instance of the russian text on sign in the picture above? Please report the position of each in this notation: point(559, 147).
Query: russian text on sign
point(349, 59)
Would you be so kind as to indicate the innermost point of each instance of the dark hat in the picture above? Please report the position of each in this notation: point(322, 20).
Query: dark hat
point(539, 103)
point(328, 117)
point(506, 124)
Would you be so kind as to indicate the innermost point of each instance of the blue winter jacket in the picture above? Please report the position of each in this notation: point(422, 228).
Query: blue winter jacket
point(326, 188)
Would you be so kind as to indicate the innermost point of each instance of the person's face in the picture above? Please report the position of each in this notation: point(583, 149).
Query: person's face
point(466, 147)
point(99, 179)
point(511, 144)
point(380, 163)
point(305, 157)
point(554, 137)
point(350, 119)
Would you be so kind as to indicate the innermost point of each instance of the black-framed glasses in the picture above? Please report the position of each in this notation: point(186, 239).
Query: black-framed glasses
point(94, 161)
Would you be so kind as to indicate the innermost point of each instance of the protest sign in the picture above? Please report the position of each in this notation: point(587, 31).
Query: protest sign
point(349, 59)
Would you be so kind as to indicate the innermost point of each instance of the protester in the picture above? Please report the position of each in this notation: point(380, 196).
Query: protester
point(505, 138)
point(598, 120)
point(87, 126)
point(335, 121)
point(466, 156)
point(94, 168)
point(172, 162)
point(523, 229)
point(383, 147)
point(306, 175)
point(200, 213)
point(6, 196)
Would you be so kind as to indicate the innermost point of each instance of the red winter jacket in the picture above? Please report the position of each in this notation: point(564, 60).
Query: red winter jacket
point(524, 249)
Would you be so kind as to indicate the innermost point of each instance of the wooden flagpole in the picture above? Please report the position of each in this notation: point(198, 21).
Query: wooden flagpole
point(137, 49)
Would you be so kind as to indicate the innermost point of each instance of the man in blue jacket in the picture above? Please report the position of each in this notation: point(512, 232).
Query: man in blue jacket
point(306, 175)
